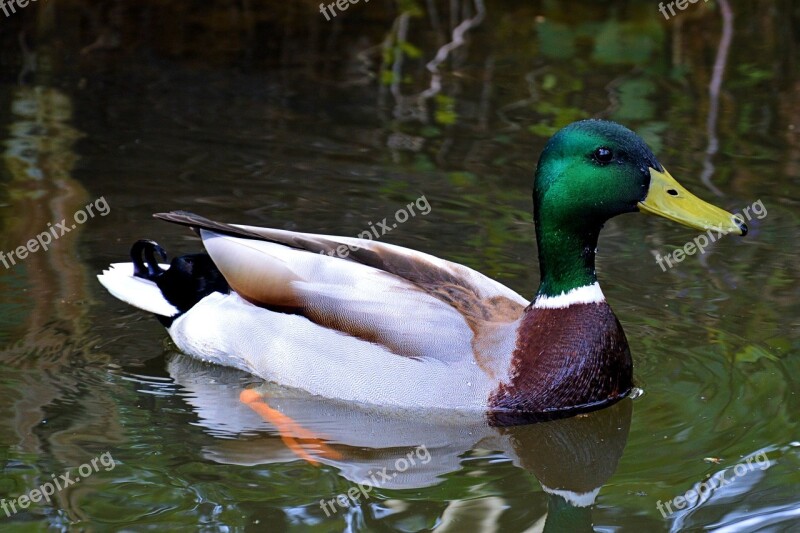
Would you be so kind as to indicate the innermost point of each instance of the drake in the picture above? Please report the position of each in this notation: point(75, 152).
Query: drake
point(389, 326)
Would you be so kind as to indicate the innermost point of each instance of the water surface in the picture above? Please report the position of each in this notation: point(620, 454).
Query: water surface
point(267, 114)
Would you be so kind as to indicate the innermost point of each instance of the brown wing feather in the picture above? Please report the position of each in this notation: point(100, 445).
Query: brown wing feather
point(291, 239)
point(432, 279)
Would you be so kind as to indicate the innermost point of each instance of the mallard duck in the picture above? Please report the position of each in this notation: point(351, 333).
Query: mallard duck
point(390, 326)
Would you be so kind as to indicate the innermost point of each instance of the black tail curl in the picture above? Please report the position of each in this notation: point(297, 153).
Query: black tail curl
point(189, 278)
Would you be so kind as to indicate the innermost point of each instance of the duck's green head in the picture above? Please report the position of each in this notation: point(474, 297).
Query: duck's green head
point(591, 171)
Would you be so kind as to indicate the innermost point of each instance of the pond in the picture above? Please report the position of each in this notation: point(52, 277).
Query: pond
point(329, 119)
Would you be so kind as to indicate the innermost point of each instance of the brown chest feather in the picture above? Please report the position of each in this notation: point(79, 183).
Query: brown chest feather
point(565, 360)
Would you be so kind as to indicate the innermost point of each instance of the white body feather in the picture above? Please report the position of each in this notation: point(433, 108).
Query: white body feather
point(410, 349)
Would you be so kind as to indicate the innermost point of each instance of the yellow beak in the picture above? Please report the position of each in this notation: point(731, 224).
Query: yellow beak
point(667, 198)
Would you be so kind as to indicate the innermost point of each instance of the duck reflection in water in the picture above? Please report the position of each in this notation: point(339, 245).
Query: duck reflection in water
point(376, 449)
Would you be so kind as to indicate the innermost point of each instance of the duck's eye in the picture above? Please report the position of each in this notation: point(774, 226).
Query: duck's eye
point(603, 155)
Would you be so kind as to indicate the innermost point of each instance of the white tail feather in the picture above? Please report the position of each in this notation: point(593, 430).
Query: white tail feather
point(138, 292)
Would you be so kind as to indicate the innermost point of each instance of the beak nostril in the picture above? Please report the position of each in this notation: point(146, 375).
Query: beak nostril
point(672, 192)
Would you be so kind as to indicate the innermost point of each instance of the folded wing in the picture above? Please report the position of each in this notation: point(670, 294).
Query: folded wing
point(414, 304)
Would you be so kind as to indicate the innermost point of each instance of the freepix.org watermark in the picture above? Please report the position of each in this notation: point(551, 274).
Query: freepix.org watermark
point(55, 232)
point(680, 4)
point(704, 489)
point(341, 4)
point(5, 5)
point(57, 484)
point(402, 215)
point(376, 479)
point(702, 241)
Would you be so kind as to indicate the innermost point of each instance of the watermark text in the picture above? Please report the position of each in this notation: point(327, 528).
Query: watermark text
point(5, 5)
point(680, 4)
point(49, 488)
point(702, 241)
point(343, 5)
point(54, 232)
point(376, 479)
point(704, 489)
point(402, 215)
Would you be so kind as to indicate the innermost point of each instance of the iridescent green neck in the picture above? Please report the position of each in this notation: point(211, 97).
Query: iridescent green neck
point(566, 251)
point(588, 172)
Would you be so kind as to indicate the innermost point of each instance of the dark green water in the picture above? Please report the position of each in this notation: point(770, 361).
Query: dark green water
point(267, 114)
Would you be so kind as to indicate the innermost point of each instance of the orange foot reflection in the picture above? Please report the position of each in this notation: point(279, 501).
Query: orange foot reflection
point(295, 436)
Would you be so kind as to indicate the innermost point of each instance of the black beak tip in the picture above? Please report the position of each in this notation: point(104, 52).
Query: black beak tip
point(742, 226)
